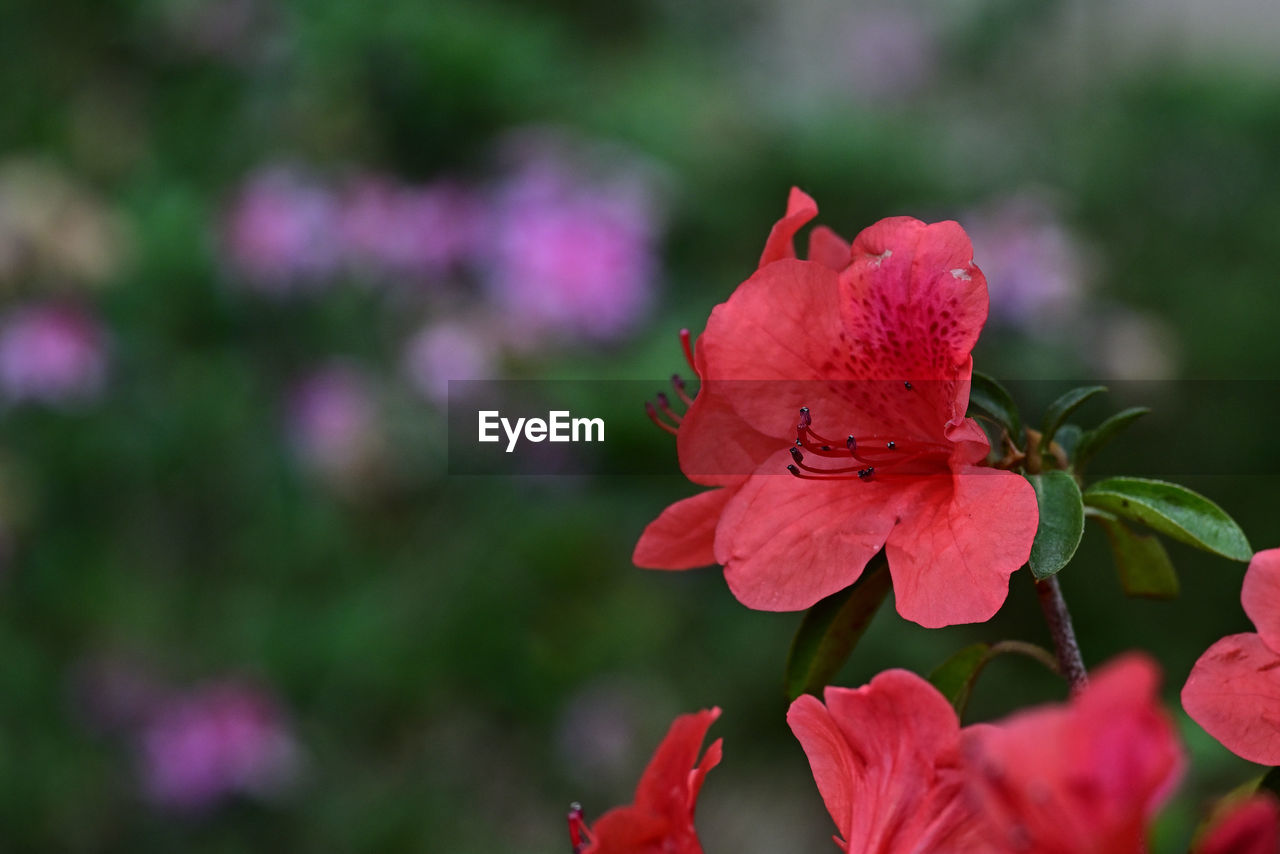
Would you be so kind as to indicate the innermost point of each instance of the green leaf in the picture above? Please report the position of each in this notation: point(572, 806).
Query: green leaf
point(992, 398)
point(1141, 561)
point(1174, 511)
point(1068, 438)
point(954, 678)
point(1097, 438)
point(832, 628)
point(1061, 408)
point(1061, 522)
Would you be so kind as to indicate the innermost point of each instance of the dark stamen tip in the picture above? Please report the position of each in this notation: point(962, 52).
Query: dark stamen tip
point(796, 455)
point(851, 442)
point(663, 401)
point(677, 381)
point(867, 472)
point(907, 385)
point(795, 471)
point(891, 446)
point(826, 447)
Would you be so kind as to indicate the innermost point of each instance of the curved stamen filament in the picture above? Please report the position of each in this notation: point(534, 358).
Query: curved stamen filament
point(653, 416)
point(665, 405)
point(677, 382)
point(871, 452)
point(686, 343)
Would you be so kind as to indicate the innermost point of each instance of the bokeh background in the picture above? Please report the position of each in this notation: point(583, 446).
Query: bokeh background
point(245, 244)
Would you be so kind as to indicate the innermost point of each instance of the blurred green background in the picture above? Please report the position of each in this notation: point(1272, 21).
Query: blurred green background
point(244, 244)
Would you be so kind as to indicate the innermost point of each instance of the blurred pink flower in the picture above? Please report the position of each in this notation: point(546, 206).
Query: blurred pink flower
point(391, 230)
point(281, 231)
point(217, 740)
point(572, 254)
point(449, 350)
point(53, 354)
point(332, 421)
point(1036, 269)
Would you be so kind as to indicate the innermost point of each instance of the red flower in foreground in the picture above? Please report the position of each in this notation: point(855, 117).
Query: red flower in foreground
point(886, 760)
point(1081, 778)
point(660, 821)
point(899, 776)
point(1251, 827)
point(832, 417)
point(1234, 689)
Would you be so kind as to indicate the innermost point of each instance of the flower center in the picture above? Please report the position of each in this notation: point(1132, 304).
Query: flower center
point(870, 453)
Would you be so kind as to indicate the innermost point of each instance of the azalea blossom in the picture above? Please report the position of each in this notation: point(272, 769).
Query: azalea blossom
point(1249, 827)
point(1081, 778)
point(887, 762)
point(1234, 689)
point(898, 774)
point(660, 820)
point(832, 418)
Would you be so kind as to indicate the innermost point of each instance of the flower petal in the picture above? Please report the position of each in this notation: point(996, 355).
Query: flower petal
point(1260, 596)
point(954, 550)
point(781, 242)
point(1234, 693)
point(683, 535)
point(786, 543)
point(1251, 827)
point(1087, 776)
point(664, 785)
point(829, 249)
point(884, 758)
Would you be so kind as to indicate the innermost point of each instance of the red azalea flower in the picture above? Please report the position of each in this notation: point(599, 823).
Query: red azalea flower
point(869, 344)
point(1080, 778)
point(886, 760)
point(660, 821)
point(1234, 689)
point(1250, 827)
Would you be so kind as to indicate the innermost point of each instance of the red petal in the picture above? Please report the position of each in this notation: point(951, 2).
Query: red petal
point(781, 243)
point(1086, 776)
point(683, 535)
point(1234, 693)
point(786, 543)
point(912, 304)
point(1252, 827)
point(953, 553)
point(1261, 596)
point(664, 785)
point(882, 757)
point(829, 249)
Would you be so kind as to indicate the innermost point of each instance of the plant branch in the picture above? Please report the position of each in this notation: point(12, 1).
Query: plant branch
point(1029, 650)
point(1070, 663)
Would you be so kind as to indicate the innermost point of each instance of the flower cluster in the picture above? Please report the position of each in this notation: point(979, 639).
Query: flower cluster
point(832, 425)
point(899, 774)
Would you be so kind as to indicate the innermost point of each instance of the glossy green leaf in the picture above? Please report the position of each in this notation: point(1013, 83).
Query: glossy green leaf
point(1096, 439)
point(1061, 522)
point(1172, 510)
point(992, 398)
point(1068, 438)
point(1061, 408)
point(832, 628)
point(955, 677)
point(1141, 560)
